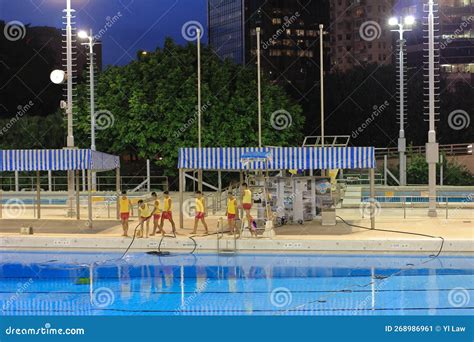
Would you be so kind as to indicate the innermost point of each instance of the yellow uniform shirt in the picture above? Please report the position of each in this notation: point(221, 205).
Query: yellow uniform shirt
point(144, 211)
point(168, 206)
point(247, 196)
point(124, 205)
point(200, 205)
point(231, 207)
point(157, 207)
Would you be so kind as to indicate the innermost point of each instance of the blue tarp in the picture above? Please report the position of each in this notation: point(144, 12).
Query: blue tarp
point(278, 158)
point(57, 160)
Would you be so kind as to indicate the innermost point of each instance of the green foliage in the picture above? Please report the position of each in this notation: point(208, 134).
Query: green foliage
point(154, 105)
point(23, 132)
point(454, 174)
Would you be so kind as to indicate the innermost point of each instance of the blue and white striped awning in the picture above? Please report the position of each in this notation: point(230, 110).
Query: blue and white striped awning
point(57, 160)
point(282, 158)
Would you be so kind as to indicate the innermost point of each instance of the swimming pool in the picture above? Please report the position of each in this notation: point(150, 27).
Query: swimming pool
point(60, 283)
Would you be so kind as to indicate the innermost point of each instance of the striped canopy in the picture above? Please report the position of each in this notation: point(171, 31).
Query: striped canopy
point(57, 160)
point(280, 158)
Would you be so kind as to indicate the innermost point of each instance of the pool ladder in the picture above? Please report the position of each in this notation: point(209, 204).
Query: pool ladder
point(220, 235)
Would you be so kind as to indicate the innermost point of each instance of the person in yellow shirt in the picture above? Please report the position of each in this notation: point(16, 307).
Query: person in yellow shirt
point(231, 212)
point(200, 212)
point(126, 208)
point(144, 214)
point(167, 213)
point(156, 214)
point(247, 205)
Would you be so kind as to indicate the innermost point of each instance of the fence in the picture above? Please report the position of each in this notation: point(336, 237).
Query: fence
point(104, 183)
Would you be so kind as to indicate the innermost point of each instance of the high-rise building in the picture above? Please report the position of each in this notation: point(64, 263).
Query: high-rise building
point(359, 33)
point(456, 31)
point(289, 37)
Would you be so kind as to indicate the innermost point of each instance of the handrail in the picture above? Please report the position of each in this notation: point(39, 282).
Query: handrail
point(449, 149)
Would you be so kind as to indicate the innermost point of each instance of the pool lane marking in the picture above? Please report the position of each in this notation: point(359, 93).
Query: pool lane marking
point(236, 292)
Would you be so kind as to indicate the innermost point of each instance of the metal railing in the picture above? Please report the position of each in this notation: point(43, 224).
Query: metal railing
point(449, 150)
point(59, 183)
point(449, 204)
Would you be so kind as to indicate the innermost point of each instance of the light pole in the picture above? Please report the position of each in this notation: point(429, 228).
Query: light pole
point(198, 35)
point(91, 42)
point(321, 76)
point(432, 150)
point(403, 25)
point(69, 108)
point(258, 22)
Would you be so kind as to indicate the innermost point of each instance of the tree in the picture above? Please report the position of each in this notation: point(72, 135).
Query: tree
point(151, 106)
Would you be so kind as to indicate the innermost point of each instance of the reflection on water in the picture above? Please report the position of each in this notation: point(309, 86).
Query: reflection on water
point(78, 284)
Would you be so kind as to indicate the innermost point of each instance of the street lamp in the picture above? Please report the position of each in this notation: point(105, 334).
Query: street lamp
point(91, 41)
point(403, 25)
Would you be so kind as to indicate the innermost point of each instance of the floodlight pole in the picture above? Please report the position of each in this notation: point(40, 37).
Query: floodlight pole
point(401, 80)
point(198, 35)
point(321, 76)
point(259, 88)
point(432, 150)
point(69, 108)
point(91, 44)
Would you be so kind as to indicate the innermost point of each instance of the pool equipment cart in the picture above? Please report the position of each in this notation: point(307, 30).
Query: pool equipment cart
point(260, 163)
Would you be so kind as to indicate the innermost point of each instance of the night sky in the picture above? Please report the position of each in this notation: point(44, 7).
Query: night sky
point(143, 24)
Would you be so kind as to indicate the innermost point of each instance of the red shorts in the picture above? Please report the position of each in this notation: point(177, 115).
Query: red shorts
point(199, 215)
point(124, 216)
point(167, 215)
point(230, 216)
point(247, 206)
point(156, 217)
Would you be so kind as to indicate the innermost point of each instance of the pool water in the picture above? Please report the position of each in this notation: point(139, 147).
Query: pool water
point(60, 283)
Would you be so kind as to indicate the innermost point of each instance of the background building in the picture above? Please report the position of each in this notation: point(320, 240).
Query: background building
point(456, 29)
point(289, 36)
point(359, 33)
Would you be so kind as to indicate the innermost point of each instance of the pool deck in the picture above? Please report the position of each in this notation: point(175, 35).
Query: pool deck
point(458, 234)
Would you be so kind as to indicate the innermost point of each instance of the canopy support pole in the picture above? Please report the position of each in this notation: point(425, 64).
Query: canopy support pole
point(38, 195)
point(372, 197)
point(89, 198)
point(181, 198)
point(78, 191)
point(117, 187)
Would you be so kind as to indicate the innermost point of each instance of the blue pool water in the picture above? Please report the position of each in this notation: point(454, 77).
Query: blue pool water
point(57, 283)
